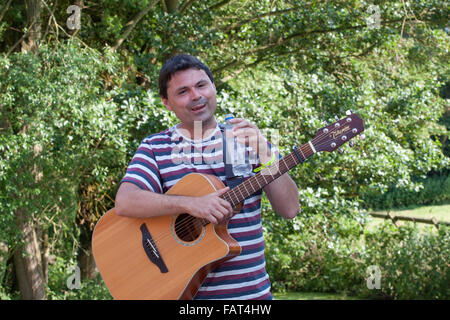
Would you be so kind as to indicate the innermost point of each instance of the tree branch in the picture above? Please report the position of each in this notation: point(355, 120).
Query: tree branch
point(249, 65)
point(282, 41)
point(226, 66)
point(132, 23)
point(5, 9)
point(52, 12)
point(186, 6)
point(218, 5)
point(58, 27)
point(239, 24)
point(237, 72)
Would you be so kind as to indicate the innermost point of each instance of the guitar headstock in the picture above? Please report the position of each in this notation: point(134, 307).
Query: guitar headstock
point(331, 137)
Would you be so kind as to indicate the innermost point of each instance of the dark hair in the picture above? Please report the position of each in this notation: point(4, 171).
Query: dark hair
point(178, 63)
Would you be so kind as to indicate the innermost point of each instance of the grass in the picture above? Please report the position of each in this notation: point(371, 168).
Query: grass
point(312, 296)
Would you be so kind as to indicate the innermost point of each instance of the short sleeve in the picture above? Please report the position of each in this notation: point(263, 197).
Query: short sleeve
point(143, 169)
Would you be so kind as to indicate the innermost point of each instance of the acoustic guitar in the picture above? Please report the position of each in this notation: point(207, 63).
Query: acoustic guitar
point(168, 257)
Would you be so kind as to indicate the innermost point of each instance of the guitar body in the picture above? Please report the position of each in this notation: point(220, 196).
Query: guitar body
point(165, 257)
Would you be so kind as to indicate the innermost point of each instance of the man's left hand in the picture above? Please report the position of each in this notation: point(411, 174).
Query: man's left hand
point(248, 133)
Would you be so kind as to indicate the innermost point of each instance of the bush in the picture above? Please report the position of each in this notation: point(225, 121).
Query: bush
point(432, 190)
point(414, 265)
point(316, 252)
point(331, 254)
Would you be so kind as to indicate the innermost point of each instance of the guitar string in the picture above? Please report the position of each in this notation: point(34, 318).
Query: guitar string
point(189, 223)
point(242, 188)
point(194, 223)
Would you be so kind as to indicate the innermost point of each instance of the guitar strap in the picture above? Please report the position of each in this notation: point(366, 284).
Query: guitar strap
point(231, 180)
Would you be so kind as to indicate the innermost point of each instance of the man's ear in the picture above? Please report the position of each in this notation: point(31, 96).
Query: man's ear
point(166, 103)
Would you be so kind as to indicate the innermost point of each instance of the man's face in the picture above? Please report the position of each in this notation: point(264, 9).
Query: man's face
point(192, 96)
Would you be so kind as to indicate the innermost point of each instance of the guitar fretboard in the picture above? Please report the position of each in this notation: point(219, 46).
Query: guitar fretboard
point(267, 175)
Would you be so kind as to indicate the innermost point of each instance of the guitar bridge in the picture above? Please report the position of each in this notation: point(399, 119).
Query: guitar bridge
point(151, 250)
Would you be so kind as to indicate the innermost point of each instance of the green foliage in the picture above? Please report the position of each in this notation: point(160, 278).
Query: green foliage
point(317, 252)
point(67, 121)
point(323, 249)
point(48, 135)
point(432, 190)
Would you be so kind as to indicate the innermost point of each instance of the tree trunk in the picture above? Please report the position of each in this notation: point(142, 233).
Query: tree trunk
point(30, 264)
point(27, 256)
point(86, 260)
point(31, 41)
point(45, 255)
point(27, 260)
point(85, 220)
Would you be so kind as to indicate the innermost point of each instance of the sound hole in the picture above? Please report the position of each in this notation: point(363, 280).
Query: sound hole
point(187, 227)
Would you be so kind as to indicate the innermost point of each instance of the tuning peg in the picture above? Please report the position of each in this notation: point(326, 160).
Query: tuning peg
point(351, 143)
point(362, 137)
point(336, 118)
point(348, 112)
point(341, 150)
point(324, 123)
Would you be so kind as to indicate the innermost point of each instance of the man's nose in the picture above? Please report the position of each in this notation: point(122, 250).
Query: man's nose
point(195, 95)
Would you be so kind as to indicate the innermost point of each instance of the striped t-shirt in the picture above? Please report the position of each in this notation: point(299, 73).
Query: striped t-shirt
point(161, 160)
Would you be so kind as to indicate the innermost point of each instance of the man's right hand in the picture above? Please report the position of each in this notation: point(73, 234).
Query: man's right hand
point(131, 201)
point(210, 207)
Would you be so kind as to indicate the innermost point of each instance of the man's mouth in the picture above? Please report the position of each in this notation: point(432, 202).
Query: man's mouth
point(198, 108)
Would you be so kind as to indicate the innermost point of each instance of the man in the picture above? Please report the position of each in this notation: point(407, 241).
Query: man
point(187, 89)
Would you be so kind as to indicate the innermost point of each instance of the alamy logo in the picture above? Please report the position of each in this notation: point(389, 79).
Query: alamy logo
point(373, 21)
point(74, 281)
point(374, 277)
point(74, 21)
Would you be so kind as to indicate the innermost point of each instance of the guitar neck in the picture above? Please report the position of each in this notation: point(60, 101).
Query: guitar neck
point(269, 174)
